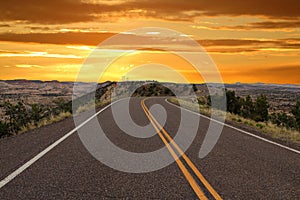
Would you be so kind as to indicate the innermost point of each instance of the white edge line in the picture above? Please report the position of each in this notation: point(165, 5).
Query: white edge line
point(240, 130)
point(49, 148)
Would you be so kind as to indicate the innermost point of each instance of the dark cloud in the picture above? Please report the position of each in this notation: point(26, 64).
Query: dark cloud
point(121, 41)
point(128, 41)
point(285, 24)
point(275, 25)
point(231, 50)
point(57, 38)
point(237, 42)
point(70, 11)
point(270, 8)
point(4, 25)
point(51, 12)
point(38, 28)
point(253, 45)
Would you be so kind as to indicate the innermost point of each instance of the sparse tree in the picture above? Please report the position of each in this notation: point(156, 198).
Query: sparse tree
point(296, 113)
point(247, 108)
point(195, 89)
point(37, 113)
point(17, 116)
point(261, 108)
point(233, 103)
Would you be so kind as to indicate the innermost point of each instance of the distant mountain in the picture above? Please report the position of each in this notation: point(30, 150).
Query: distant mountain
point(262, 85)
point(232, 85)
point(25, 81)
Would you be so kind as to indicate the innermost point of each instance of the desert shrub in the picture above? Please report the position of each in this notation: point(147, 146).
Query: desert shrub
point(4, 131)
point(296, 112)
point(259, 125)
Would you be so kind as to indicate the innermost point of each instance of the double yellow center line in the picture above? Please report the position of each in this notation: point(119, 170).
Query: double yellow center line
point(167, 140)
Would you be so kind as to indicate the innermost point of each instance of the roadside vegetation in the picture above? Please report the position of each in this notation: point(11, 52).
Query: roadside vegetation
point(152, 89)
point(20, 117)
point(253, 113)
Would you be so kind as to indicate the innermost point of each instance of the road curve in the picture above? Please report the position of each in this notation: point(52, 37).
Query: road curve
point(239, 167)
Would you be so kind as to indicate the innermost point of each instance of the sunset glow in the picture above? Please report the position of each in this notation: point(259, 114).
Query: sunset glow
point(249, 41)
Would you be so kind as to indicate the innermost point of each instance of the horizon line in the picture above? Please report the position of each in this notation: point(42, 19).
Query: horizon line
point(235, 83)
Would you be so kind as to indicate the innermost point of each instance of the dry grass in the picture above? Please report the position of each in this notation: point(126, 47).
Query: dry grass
point(45, 122)
point(89, 106)
point(83, 108)
point(203, 109)
point(52, 119)
point(61, 116)
point(266, 128)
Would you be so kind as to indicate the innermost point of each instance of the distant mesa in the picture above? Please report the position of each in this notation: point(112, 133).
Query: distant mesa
point(25, 81)
point(126, 80)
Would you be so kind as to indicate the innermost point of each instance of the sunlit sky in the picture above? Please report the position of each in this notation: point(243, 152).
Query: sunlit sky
point(249, 41)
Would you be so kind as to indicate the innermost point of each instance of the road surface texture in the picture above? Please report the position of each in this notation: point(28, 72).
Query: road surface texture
point(239, 167)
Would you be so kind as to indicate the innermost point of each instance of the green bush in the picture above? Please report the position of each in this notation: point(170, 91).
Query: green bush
point(296, 112)
point(4, 131)
point(259, 125)
point(19, 115)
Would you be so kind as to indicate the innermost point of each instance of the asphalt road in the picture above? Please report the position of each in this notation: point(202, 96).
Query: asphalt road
point(239, 166)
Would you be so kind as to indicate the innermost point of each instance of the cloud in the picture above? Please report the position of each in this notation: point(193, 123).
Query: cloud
point(39, 54)
point(242, 46)
point(80, 41)
point(289, 43)
point(38, 28)
point(286, 25)
point(235, 42)
point(94, 38)
point(236, 46)
point(123, 41)
point(71, 11)
point(4, 25)
point(275, 25)
point(57, 38)
point(52, 12)
point(194, 8)
point(28, 66)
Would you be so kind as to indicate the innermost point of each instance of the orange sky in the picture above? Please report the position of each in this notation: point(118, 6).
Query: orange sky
point(249, 41)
